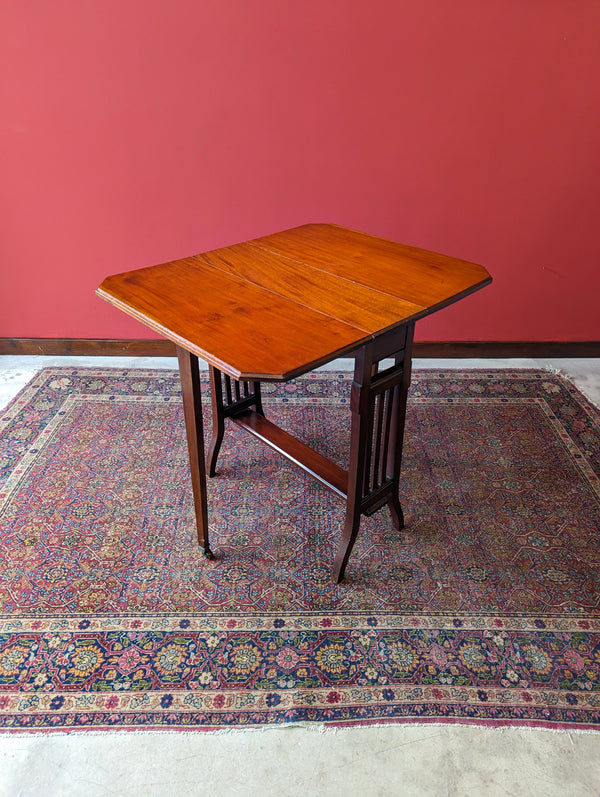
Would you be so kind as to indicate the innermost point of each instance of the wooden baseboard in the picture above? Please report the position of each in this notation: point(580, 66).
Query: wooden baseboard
point(487, 349)
point(427, 349)
point(83, 347)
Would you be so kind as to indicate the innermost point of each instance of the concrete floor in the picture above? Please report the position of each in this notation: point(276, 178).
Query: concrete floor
point(391, 760)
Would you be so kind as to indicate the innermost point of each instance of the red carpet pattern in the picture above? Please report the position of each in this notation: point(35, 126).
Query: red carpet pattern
point(485, 608)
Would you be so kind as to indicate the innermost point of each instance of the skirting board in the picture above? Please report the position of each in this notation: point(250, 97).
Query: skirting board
point(430, 349)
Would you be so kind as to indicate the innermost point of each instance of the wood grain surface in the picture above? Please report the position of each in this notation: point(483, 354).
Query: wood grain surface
point(279, 306)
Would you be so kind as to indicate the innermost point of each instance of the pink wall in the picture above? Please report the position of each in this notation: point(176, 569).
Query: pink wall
point(138, 131)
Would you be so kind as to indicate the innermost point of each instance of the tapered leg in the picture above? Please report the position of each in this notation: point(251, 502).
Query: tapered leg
point(228, 398)
point(396, 512)
point(395, 454)
point(192, 408)
point(360, 438)
point(394, 460)
point(218, 416)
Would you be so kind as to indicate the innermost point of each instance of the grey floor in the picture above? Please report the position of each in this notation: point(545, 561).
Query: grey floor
point(389, 760)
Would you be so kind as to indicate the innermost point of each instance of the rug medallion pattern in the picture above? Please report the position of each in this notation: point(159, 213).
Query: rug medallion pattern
point(485, 608)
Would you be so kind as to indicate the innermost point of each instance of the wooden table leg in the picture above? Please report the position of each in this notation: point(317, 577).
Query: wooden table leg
point(359, 437)
point(378, 407)
point(192, 408)
point(229, 397)
point(218, 418)
point(394, 459)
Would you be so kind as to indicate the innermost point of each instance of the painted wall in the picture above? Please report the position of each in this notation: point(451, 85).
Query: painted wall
point(138, 131)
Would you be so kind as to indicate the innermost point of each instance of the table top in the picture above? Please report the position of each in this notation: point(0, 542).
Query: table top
point(279, 306)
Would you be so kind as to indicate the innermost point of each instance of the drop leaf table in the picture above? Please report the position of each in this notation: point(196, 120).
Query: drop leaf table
point(276, 307)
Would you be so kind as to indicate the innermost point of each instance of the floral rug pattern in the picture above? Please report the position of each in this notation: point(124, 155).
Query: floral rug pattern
point(485, 608)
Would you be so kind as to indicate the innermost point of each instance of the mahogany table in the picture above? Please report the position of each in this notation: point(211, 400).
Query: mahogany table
point(279, 306)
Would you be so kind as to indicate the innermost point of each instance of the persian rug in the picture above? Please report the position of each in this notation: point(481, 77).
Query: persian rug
point(485, 608)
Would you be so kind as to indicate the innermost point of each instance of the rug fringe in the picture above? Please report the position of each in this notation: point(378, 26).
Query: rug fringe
point(553, 369)
point(309, 727)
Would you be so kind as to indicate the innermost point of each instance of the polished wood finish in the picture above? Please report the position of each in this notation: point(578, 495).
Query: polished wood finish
point(378, 408)
point(159, 347)
point(242, 402)
point(327, 472)
point(277, 307)
point(192, 407)
point(424, 279)
point(229, 398)
point(237, 326)
point(335, 296)
point(315, 293)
